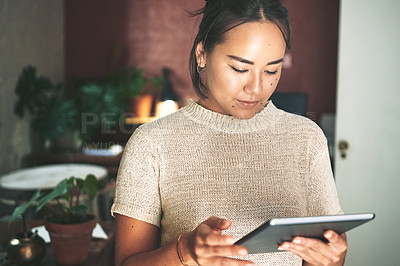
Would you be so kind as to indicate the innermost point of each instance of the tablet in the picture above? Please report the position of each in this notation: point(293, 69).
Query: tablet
point(269, 235)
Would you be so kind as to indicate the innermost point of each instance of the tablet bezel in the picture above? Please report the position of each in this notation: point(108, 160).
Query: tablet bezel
point(269, 235)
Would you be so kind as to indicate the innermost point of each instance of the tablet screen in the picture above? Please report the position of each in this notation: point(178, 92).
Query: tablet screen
point(269, 235)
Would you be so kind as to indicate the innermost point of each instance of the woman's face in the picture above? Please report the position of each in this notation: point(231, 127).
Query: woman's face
point(243, 71)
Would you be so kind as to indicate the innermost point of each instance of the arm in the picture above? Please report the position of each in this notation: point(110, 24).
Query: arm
point(136, 244)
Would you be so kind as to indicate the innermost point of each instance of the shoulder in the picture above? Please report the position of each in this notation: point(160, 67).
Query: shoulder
point(299, 125)
point(160, 129)
point(164, 124)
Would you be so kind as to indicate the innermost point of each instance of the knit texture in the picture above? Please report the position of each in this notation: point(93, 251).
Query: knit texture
point(179, 170)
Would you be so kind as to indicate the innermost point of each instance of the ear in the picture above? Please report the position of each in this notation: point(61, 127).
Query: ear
point(201, 55)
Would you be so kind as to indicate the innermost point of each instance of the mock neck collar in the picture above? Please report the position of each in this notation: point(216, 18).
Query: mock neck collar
point(264, 119)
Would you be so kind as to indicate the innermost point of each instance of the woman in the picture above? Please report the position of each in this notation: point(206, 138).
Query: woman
point(216, 169)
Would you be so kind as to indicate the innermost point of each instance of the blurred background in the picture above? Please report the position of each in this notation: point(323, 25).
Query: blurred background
point(71, 71)
point(69, 40)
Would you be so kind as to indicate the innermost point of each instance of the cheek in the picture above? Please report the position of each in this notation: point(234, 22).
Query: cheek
point(233, 83)
point(271, 86)
point(273, 82)
point(225, 83)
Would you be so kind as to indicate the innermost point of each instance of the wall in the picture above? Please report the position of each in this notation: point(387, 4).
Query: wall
point(152, 34)
point(95, 37)
point(148, 34)
point(31, 32)
point(314, 53)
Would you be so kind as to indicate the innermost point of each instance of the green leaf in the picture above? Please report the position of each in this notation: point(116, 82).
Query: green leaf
point(70, 184)
point(79, 182)
point(61, 189)
point(33, 92)
point(90, 186)
point(22, 208)
point(78, 209)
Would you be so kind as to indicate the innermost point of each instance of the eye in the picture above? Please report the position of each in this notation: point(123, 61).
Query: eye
point(239, 70)
point(271, 72)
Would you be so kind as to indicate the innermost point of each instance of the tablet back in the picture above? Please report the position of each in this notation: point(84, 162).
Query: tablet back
point(268, 236)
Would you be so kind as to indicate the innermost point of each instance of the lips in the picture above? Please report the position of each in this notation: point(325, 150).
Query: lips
point(248, 104)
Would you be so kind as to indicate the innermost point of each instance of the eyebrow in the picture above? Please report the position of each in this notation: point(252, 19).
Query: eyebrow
point(240, 59)
point(275, 62)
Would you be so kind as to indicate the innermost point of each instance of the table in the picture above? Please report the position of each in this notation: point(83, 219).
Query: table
point(19, 185)
point(111, 163)
point(101, 251)
point(48, 176)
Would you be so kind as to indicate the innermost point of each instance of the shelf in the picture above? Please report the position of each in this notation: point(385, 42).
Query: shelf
point(139, 120)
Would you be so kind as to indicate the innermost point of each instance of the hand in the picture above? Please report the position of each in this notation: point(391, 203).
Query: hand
point(316, 252)
point(206, 245)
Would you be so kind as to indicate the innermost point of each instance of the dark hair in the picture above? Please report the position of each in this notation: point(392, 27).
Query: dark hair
point(220, 16)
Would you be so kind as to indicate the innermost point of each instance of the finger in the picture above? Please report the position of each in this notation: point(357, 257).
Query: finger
point(314, 245)
point(217, 223)
point(206, 235)
point(303, 252)
point(336, 241)
point(214, 238)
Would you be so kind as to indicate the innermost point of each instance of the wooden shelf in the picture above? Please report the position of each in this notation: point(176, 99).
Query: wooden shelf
point(139, 120)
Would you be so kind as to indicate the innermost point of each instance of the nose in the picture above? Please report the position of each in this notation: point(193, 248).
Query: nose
point(254, 84)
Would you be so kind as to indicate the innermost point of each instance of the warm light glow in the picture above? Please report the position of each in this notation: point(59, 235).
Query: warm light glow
point(166, 108)
point(14, 242)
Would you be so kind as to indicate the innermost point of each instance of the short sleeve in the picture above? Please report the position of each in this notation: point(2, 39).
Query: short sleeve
point(137, 185)
point(322, 196)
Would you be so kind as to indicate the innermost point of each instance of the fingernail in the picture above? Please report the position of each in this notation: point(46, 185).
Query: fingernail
point(242, 252)
point(297, 240)
point(230, 240)
point(283, 247)
point(328, 235)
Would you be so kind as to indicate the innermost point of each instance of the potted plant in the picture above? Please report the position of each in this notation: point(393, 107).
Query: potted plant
point(140, 90)
point(53, 114)
point(100, 102)
point(132, 82)
point(67, 221)
point(63, 121)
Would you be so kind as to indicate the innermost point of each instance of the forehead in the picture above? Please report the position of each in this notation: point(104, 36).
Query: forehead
point(254, 40)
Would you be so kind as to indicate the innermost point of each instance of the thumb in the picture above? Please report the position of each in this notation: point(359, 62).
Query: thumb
point(217, 223)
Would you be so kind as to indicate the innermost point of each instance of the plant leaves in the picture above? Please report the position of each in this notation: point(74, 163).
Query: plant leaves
point(78, 209)
point(33, 92)
point(60, 190)
point(22, 208)
point(79, 182)
point(90, 186)
point(70, 184)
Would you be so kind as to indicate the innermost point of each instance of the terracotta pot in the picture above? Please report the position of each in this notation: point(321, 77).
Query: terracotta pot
point(141, 105)
point(71, 242)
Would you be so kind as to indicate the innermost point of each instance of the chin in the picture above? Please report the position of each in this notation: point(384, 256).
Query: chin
point(244, 115)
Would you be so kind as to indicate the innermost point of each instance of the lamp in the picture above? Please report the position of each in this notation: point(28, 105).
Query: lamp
point(168, 102)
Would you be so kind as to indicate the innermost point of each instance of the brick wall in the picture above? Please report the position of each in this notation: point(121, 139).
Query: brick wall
point(102, 35)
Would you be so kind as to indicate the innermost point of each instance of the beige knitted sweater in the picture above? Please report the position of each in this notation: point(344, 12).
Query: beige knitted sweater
point(181, 169)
